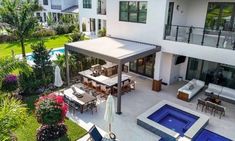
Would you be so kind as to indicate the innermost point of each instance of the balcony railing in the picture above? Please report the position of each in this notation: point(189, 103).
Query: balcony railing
point(101, 11)
point(56, 7)
point(200, 36)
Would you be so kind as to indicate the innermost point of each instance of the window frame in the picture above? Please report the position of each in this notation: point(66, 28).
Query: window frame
point(87, 4)
point(45, 2)
point(137, 12)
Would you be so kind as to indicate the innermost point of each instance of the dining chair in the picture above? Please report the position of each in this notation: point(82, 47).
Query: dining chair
point(202, 103)
point(126, 86)
point(94, 85)
point(92, 106)
point(104, 91)
point(132, 84)
point(220, 110)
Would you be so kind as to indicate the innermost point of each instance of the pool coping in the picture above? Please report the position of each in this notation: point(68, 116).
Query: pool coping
point(191, 132)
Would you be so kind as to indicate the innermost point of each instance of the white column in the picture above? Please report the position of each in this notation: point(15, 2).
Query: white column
point(157, 66)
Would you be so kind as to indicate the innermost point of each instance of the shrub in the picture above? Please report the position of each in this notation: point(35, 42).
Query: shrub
point(9, 83)
point(102, 32)
point(76, 36)
point(43, 32)
point(51, 132)
point(50, 109)
point(61, 29)
point(7, 38)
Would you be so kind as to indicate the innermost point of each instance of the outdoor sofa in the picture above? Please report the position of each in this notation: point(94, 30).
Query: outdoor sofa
point(188, 91)
point(224, 93)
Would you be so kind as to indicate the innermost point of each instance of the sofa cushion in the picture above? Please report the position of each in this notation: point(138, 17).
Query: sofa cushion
point(228, 93)
point(213, 88)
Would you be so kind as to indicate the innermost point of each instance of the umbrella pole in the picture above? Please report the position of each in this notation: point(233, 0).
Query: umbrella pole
point(109, 127)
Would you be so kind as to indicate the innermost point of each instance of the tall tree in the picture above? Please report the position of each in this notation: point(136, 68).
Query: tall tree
point(19, 17)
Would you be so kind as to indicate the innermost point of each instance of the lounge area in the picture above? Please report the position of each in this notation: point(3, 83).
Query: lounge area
point(136, 102)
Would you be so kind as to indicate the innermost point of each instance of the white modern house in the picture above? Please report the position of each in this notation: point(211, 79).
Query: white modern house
point(56, 8)
point(93, 15)
point(197, 37)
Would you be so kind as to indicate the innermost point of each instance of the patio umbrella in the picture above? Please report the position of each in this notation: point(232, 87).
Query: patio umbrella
point(58, 81)
point(109, 111)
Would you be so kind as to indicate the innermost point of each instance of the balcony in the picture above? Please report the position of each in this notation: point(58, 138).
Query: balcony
point(101, 11)
point(200, 36)
point(56, 7)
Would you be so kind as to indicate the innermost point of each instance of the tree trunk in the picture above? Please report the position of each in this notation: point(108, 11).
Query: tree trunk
point(23, 48)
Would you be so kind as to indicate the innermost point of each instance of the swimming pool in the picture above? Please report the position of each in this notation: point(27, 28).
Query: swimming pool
point(174, 119)
point(206, 135)
point(171, 121)
point(53, 55)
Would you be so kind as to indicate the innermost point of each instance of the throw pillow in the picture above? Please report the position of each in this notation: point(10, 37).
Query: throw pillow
point(191, 87)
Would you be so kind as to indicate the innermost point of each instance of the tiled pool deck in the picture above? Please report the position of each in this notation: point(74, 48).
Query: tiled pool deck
point(143, 98)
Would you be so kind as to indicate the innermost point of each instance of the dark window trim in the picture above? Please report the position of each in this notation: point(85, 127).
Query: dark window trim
point(87, 5)
point(128, 12)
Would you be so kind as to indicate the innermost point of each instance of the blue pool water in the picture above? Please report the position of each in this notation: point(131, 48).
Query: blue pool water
point(174, 119)
point(53, 54)
point(206, 135)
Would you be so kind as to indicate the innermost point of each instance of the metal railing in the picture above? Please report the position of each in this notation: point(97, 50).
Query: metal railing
point(57, 7)
point(200, 36)
point(101, 11)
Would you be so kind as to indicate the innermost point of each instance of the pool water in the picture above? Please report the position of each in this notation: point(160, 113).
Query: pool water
point(206, 135)
point(53, 54)
point(174, 119)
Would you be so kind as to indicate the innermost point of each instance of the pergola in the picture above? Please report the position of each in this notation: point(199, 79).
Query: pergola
point(115, 50)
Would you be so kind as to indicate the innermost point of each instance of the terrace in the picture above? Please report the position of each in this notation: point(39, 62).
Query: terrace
point(140, 100)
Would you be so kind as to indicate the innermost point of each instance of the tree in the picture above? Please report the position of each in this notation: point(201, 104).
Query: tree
point(19, 17)
point(43, 64)
point(12, 115)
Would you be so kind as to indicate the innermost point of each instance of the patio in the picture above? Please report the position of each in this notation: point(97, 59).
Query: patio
point(141, 99)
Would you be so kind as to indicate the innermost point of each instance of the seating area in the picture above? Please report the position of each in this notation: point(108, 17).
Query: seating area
point(227, 94)
point(188, 91)
point(210, 106)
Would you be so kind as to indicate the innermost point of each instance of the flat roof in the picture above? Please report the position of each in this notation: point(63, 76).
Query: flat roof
point(113, 49)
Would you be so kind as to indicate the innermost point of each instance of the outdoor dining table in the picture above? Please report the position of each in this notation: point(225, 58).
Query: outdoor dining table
point(83, 100)
point(108, 81)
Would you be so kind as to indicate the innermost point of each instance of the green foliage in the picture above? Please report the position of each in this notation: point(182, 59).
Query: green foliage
point(7, 38)
point(9, 83)
point(19, 17)
point(102, 32)
point(12, 115)
point(8, 65)
point(76, 36)
point(44, 32)
point(43, 65)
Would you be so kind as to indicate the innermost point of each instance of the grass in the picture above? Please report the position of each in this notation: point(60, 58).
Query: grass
point(50, 42)
point(28, 131)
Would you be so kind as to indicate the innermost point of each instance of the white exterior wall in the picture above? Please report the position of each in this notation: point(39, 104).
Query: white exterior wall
point(151, 32)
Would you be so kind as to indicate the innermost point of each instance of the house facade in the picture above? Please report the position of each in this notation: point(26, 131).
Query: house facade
point(55, 9)
point(197, 37)
point(93, 15)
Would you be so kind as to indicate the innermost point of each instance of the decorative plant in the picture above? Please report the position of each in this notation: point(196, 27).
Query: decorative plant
point(51, 109)
point(50, 112)
point(102, 32)
point(12, 115)
point(9, 83)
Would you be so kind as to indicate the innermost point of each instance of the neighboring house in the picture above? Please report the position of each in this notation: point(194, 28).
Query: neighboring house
point(92, 15)
point(197, 36)
point(56, 8)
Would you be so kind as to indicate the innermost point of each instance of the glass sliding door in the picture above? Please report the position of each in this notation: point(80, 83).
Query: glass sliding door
point(211, 72)
point(143, 66)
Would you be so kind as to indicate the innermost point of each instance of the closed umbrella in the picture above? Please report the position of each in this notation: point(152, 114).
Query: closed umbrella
point(109, 111)
point(58, 81)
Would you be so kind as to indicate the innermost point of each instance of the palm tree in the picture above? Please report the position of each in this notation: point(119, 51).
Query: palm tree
point(8, 65)
point(12, 115)
point(19, 18)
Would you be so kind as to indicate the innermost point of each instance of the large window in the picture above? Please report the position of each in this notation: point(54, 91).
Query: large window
point(220, 16)
point(211, 72)
point(143, 66)
point(86, 3)
point(45, 2)
point(133, 11)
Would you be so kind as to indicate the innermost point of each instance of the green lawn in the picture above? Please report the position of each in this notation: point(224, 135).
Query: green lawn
point(28, 131)
point(50, 42)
